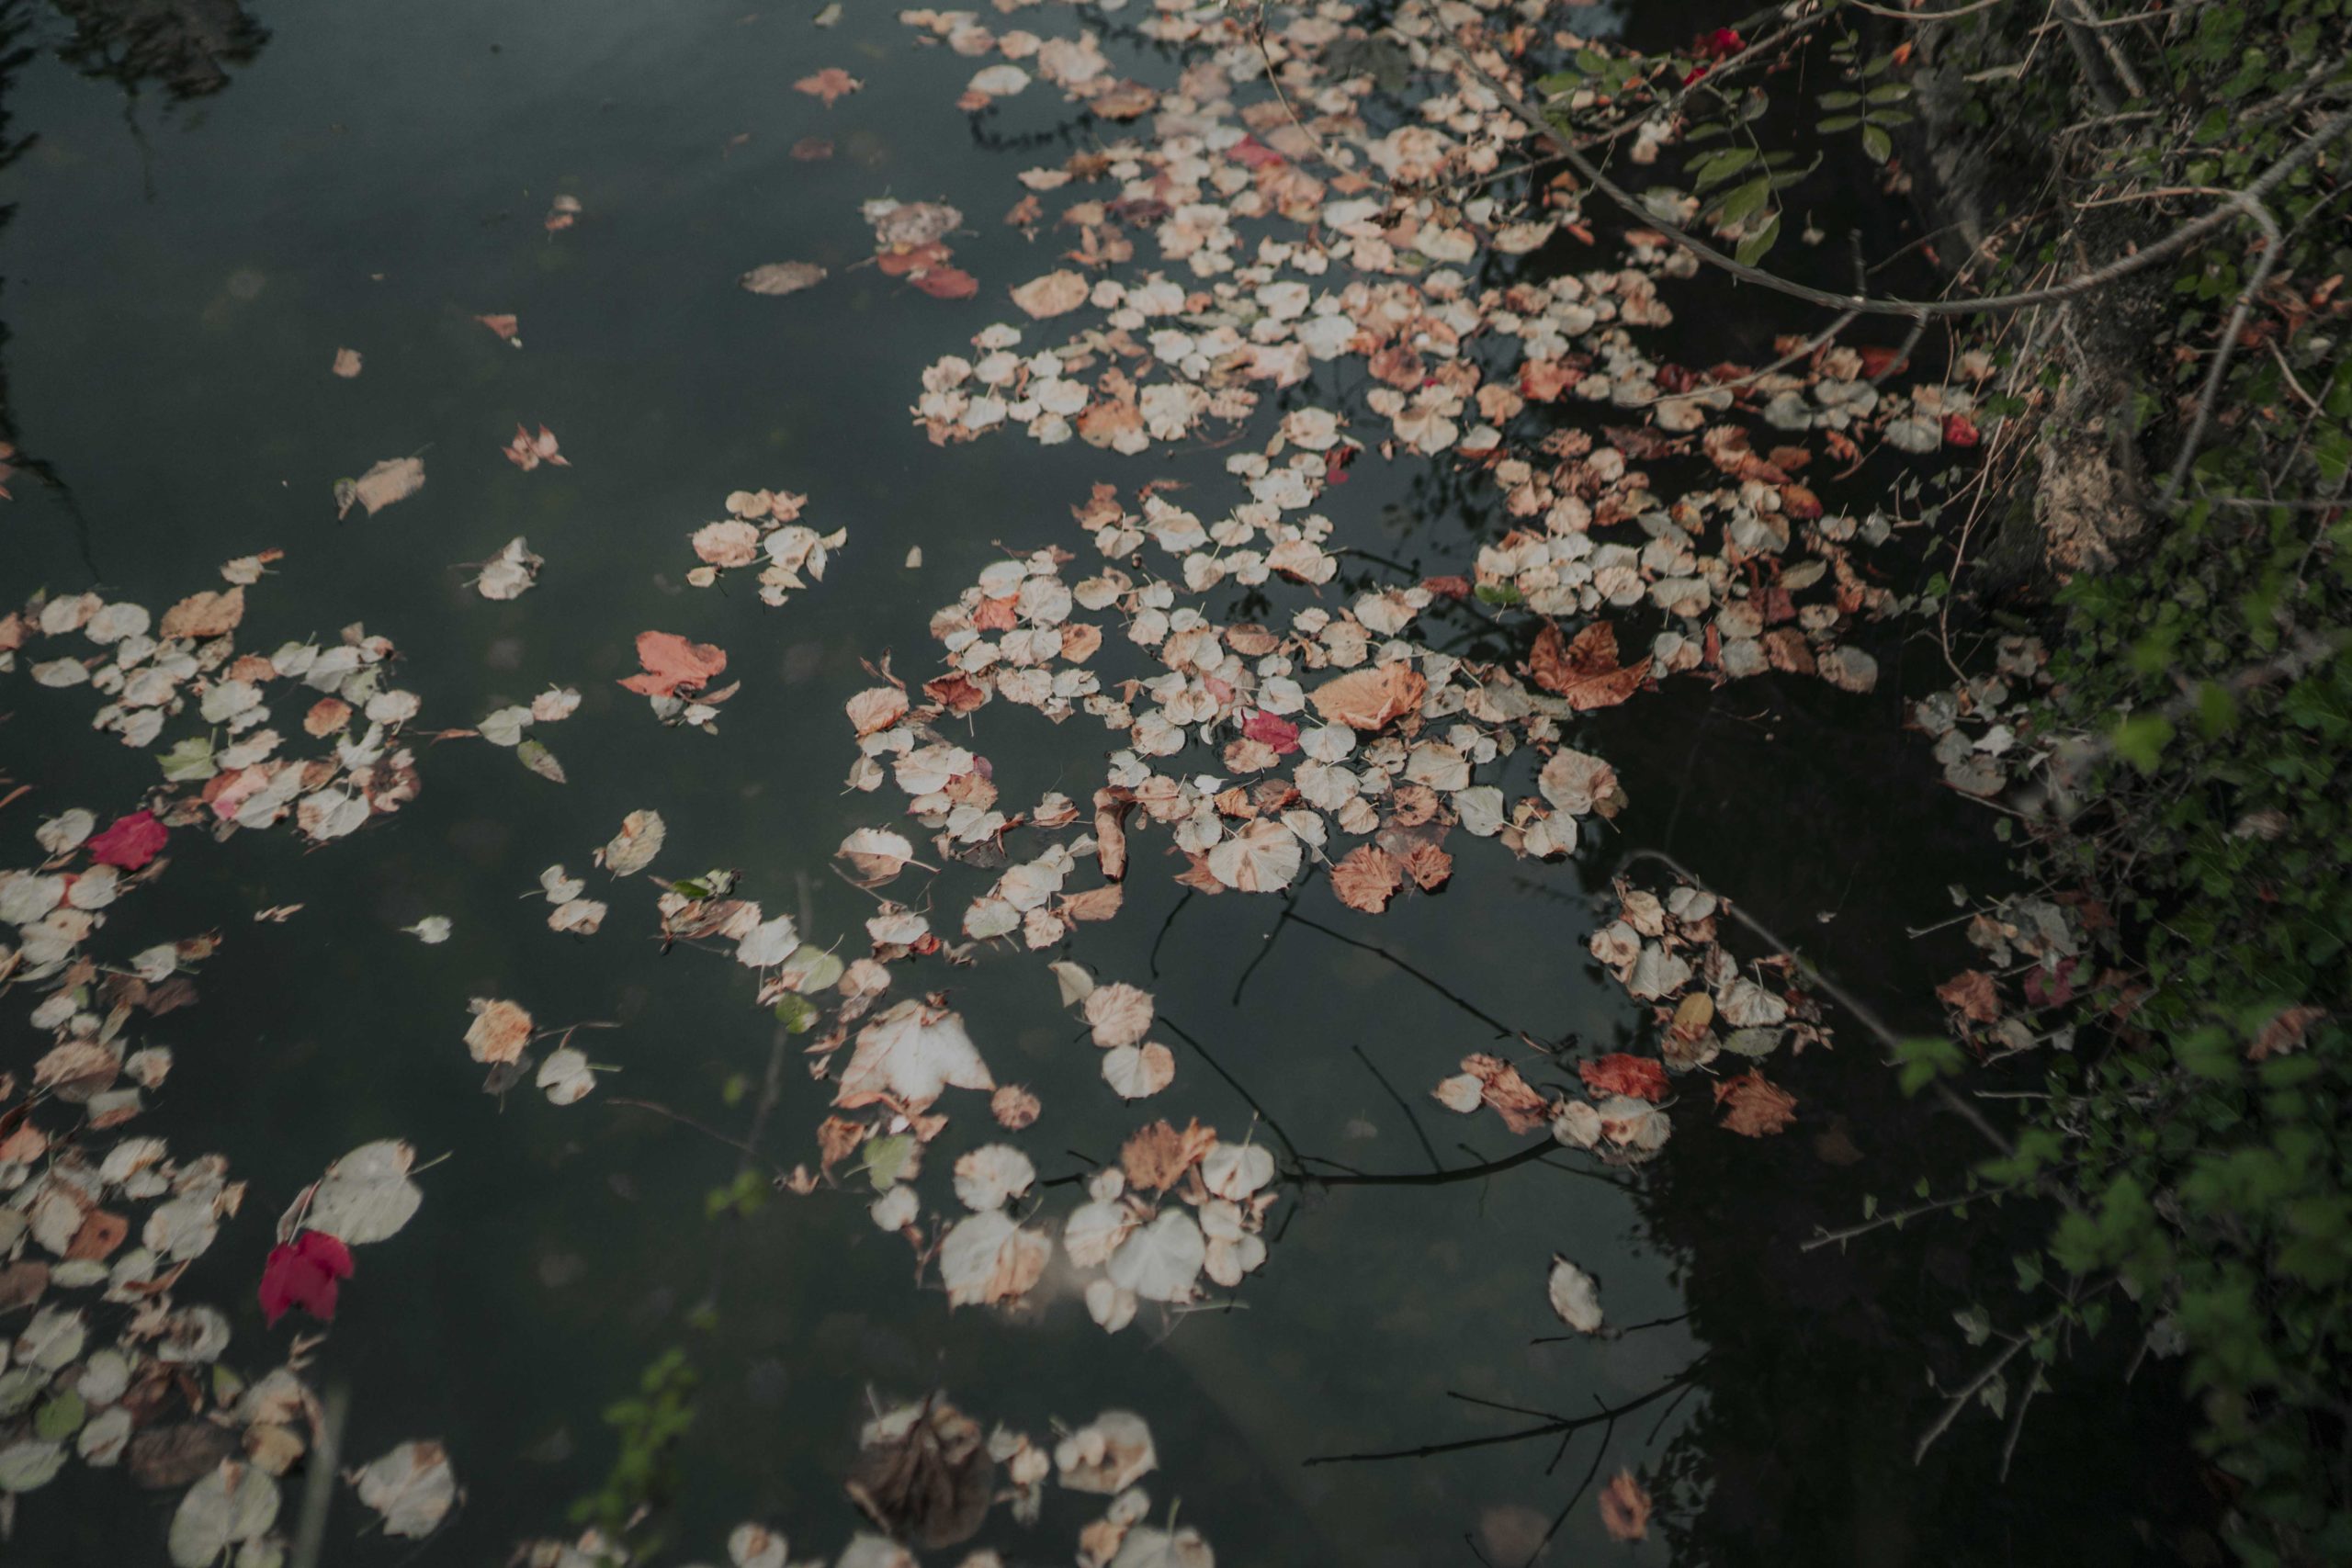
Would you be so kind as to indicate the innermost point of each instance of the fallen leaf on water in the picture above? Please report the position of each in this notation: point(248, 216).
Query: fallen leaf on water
point(130, 843)
point(394, 479)
point(1584, 670)
point(235, 1504)
point(632, 849)
point(986, 1258)
point(563, 213)
point(1575, 1296)
point(877, 854)
point(205, 615)
point(566, 1076)
point(510, 572)
point(1107, 1455)
point(946, 283)
point(412, 1487)
point(910, 1055)
point(671, 662)
point(432, 931)
point(1757, 1106)
point(347, 363)
point(923, 1473)
point(305, 1273)
point(831, 84)
point(1056, 294)
point(1619, 1073)
point(1366, 878)
point(1624, 1507)
point(505, 326)
point(526, 451)
point(1368, 699)
point(1013, 1107)
point(498, 1032)
point(782, 277)
point(1156, 1158)
point(367, 1196)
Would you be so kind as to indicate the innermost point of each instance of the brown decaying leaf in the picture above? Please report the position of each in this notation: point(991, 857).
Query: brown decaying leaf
point(931, 1484)
point(1756, 1107)
point(1513, 1097)
point(1625, 1508)
point(205, 615)
point(1366, 878)
point(2285, 1030)
point(1584, 670)
point(1970, 994)
point(1156, 1158)
point(1368, 699)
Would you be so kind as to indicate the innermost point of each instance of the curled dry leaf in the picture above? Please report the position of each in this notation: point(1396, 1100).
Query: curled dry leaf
point(394, 479)
point(782, 277)
point(924, 1474)
point(1575, 1296)
point(412, 1487)
point(1755, 1107)
point(1624, 1507)
point(1584, 670)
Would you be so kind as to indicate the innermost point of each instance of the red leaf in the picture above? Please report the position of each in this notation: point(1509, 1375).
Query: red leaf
point(304, 1275)
point(1619, 1073)
point(1278, 733)
point(671, 663)
point(131, 843)
point(1960, 430)
point(948, 283)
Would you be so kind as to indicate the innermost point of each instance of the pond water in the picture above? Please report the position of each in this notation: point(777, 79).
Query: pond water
point(180, 273)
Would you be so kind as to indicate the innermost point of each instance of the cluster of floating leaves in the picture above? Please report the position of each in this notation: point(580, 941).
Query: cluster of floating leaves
point(100, 1223)
point(929, 1477)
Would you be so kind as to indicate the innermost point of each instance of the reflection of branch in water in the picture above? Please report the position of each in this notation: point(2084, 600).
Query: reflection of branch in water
point(1297, 1159)
point(1165, 926)
point(704, 1128)
point(1489, 1020)
point(1410, 1119)
point(1555, 1426)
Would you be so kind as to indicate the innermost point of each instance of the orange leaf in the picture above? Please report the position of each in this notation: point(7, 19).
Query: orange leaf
point(1366, 878)
point(671, 663)
point(1757, 1106)
point(829, 84)
point(1367, 699)
point(1586, 671)
point(1625, 1508)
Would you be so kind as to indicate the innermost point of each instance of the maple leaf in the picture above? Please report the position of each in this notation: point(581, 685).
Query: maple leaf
point(1619, 1073)
point(671, 663)
point(1584, 670)
point(1625, 1508)
point(1756, 1107)
point(305, 1274)
point(131, 843)
point(831, 84)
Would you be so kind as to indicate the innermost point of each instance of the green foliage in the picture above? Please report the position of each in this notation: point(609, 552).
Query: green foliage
point(649, 1426)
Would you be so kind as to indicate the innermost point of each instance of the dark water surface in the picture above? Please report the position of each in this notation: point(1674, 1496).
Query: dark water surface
point(179, 274)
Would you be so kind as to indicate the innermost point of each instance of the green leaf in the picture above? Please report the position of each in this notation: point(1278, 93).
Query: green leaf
point(1753, 247)
point(886, 1158)
point(1747, 201)
point(796, 1013)
point(1837, 122)
point(1723, 165)
point(1840, 100)
point(1924, 1058)
point(61, 1417)
point(190, 762)
point(1877, 143)
point(2141, 740)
